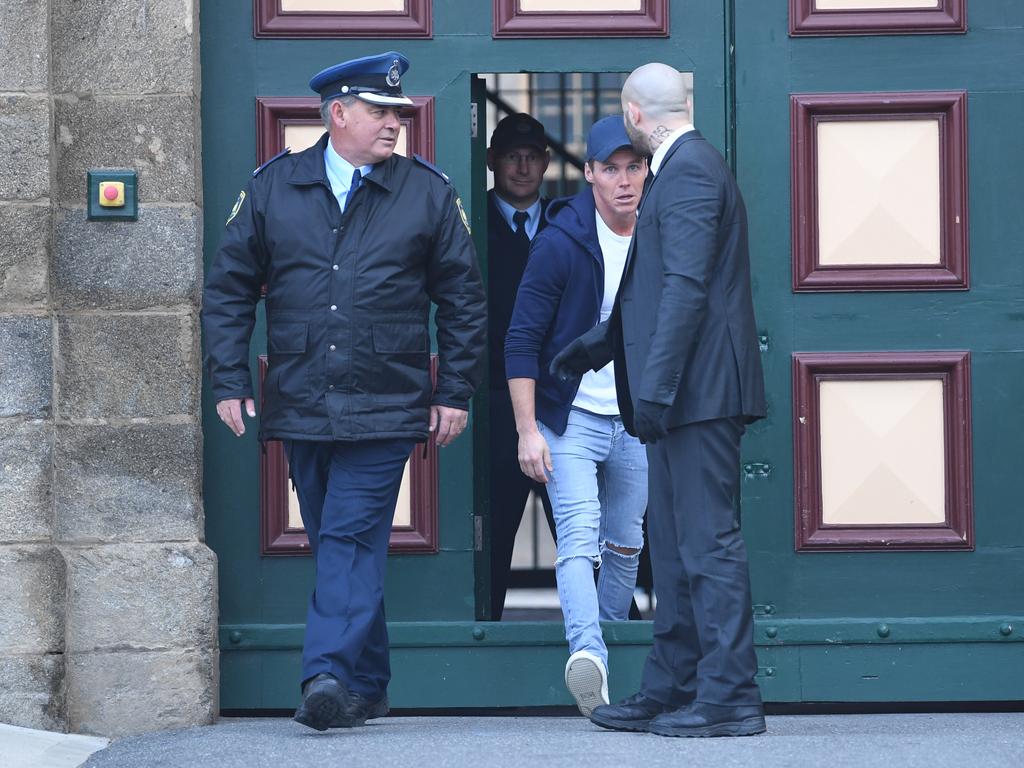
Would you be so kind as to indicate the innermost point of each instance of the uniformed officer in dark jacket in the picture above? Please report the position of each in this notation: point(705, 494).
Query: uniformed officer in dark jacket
point(353, 243)
point(518, 156)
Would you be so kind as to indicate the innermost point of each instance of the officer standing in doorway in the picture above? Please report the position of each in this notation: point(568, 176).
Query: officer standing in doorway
point(353, 243)
point(518, 156)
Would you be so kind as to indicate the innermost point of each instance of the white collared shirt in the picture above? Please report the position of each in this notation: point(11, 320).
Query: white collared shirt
point(339, 174)
point(532, 214)
point(666, 145)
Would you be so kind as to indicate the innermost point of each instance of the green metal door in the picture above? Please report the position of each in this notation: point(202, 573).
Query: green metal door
point(848, 622)
point(833, 624)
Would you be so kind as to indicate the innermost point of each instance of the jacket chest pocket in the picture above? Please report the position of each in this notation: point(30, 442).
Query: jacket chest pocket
point(286, 351)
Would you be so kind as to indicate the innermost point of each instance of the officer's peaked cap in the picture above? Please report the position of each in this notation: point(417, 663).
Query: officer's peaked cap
point(376, 79)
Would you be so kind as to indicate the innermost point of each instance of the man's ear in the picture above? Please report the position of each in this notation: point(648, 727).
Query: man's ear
point(634, 112)
point(338, 113)
point(547, 159)
point(588, 173)
point(490, 160)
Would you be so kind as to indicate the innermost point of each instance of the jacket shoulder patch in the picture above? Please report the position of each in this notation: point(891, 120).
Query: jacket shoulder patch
point(427, 164)
point(278, 156)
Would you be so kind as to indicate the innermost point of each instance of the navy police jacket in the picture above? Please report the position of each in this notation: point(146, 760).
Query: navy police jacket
point(348, 300)
point(559, 299)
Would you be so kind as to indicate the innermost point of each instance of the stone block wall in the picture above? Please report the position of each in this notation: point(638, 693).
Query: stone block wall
point(108, 595)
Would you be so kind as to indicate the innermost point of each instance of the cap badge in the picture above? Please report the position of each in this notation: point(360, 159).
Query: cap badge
point(394, 74)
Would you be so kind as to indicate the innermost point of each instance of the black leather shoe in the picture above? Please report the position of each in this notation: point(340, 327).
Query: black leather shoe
point(324, 698)
point(360, 710)
point(700, 719)
point(632, 714)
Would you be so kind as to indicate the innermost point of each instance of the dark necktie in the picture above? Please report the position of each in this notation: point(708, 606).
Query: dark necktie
point(357, 182)
point(519, 218)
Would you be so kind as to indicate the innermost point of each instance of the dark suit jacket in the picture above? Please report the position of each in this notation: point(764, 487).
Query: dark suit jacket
point(683, 332)
point(506, 263)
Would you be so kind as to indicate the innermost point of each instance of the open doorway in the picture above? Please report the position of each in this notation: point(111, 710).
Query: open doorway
point(566, 105)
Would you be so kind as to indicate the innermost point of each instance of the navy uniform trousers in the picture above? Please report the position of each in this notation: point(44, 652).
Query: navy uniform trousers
point(703, 626)
point(347, 494)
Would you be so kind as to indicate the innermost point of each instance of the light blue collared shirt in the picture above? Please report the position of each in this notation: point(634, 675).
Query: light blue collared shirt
point(507, 211)
point(339, 174)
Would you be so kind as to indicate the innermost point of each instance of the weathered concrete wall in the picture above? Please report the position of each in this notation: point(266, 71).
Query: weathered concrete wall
point(33, 574)
point(108, 609)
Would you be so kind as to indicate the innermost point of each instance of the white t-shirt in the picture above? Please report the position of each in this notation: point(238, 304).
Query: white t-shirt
point(597, 389)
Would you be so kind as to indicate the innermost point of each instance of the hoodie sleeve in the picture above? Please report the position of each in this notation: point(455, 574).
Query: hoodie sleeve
point(537, 301)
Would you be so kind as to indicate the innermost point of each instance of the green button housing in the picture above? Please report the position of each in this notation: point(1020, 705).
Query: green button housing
point(129, 211)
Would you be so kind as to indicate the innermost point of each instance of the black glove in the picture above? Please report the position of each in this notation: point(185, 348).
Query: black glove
point(649, 421)
point(571, 363)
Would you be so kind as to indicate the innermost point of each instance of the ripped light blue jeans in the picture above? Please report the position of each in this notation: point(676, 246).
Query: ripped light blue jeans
point(598, 492)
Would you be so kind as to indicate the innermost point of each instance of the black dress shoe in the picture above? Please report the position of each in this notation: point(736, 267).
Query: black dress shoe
point(360, 709)
point(632, 714)
point(324, 698)
point(701, 719)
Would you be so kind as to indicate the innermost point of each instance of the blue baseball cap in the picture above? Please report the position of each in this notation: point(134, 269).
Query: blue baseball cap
point(376, 79)
point(606, 137)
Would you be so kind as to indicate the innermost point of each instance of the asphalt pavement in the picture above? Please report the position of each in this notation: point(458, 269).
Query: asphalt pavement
point(976, 740)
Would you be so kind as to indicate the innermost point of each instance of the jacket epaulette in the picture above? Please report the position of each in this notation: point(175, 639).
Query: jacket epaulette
point(279, 155)
point(434, 168)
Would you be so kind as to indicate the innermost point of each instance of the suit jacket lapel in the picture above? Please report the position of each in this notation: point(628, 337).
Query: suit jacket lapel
point(649, 183)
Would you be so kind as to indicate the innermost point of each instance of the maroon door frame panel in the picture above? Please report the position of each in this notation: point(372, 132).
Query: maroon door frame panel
point(277, 538)
point(950, 109)
point(949, 17)
point(275, 113)
point(650, 21)
point(270, 21)
point(953, 368)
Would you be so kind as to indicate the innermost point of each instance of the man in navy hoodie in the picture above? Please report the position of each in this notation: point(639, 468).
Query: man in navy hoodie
point(571, 436)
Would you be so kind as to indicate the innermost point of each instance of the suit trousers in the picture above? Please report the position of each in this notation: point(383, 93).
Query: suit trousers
point(509, 490)
point(347, 494)
point(703, 626)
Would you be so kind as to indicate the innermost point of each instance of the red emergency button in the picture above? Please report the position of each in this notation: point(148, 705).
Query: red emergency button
point(111, 194)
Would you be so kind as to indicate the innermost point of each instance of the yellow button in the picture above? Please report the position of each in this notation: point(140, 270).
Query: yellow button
point(112, 194)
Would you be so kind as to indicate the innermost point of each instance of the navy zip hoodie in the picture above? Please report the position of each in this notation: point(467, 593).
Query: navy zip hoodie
point(559, 299)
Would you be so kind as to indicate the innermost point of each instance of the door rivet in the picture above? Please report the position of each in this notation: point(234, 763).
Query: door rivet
point(479, 633)
point(235, 637)
point(772, 631)
point(883, 630)
point(1006, 630)
point(769, 672)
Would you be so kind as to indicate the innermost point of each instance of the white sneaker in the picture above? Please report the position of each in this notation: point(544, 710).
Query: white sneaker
point(587, 681)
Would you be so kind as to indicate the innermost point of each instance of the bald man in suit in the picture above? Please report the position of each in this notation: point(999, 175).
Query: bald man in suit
point(684, 341)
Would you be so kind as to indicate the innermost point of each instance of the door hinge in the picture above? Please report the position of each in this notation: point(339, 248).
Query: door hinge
point(757, 469)
point(764, 609)
point(478, 533)
point(473, 122)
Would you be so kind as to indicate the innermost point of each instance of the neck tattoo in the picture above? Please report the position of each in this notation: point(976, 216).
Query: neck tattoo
point(657, 137)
